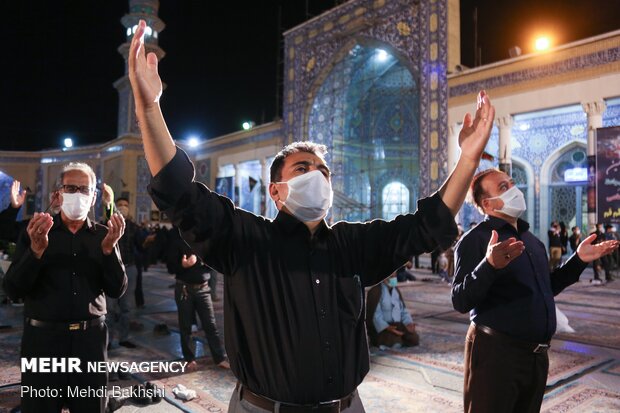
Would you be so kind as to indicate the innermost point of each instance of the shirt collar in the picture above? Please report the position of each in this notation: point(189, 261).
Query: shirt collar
point(290, 224)
point(497, 223)
point(90, 225)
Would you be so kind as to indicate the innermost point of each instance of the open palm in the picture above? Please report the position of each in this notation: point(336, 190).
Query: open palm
point(145, 81)
point(475, 133)
point(17, 197)
point(588, 252)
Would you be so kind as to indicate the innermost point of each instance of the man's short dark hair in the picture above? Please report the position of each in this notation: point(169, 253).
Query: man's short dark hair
point(122, 198)
point(302, 146)
point(476, 193)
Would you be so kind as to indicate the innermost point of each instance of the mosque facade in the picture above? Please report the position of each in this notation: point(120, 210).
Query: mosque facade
point(380, 84)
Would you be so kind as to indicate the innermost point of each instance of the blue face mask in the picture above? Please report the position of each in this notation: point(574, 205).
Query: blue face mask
point(392, 282)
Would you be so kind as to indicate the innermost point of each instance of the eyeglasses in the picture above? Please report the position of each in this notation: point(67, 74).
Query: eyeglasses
point(72, 189)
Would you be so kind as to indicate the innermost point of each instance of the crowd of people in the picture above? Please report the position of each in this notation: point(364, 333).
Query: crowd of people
point(559, 241)
point(295, 316)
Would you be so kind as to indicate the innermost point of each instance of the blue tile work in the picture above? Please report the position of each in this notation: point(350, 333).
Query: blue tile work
point(469, 213)
point(411, 31)
point(6, 181)
point(599, 58)
point(535, 136)
point(366, 111)
point(492, 149)
point(611, 117)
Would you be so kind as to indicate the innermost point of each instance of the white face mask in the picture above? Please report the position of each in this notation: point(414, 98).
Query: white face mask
point(514, 202)
point(309, 196)
point(76, 206)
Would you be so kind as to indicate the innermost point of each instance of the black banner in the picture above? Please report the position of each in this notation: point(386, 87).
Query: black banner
point(608, 174)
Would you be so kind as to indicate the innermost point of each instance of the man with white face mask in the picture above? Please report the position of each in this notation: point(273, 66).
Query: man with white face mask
point(294, 287)
point(502, 278)
point(64, 267)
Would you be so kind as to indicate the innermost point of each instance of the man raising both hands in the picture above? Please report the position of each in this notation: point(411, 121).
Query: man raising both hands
point(294, 286)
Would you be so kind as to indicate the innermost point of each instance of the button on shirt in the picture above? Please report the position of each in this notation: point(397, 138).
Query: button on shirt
point(294, 303)
point(70, 279)
point(390, 310)
point(516, 300)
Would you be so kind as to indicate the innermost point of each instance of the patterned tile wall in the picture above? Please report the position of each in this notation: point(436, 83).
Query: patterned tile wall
point(414, 31)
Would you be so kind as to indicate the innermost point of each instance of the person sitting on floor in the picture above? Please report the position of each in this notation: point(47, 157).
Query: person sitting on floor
point(405, 273)
point(388, 322)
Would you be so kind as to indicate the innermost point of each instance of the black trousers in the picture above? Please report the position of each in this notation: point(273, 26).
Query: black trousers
point(87, 345)
point(191, 301)
point(502, 378)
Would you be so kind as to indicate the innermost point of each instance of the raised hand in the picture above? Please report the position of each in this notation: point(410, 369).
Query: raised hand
point(17, 197)
point(500, 254)
point(107, 196)
point(475, 133)
point(588, 252)
point(145, 81)
point(187, 262)
point(116, 229)
point(38, 230)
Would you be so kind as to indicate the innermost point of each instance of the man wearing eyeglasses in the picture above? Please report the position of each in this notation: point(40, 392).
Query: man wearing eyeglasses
point(64, 267)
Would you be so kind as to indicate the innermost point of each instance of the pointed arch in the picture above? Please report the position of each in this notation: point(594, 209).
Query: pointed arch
point(545, 179)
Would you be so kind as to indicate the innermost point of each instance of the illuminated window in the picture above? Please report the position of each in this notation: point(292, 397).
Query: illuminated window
point(395, 200)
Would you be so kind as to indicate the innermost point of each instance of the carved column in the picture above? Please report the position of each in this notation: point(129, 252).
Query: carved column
point(504, 124)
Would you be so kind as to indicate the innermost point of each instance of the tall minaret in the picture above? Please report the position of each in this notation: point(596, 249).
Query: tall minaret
point(138, 9)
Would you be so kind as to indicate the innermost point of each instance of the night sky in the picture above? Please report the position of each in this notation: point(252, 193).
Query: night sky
point(60, 60)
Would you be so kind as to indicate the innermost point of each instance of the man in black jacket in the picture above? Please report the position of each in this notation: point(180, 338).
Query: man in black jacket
point(64, 267)
point(502, 277)
point(193, 296)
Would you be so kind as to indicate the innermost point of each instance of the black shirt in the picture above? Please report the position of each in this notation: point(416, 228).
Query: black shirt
point(294, 303)
point(555, 240)
point(9, 227)
point(518, 299)
point(197, 273)
point(70, 279)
